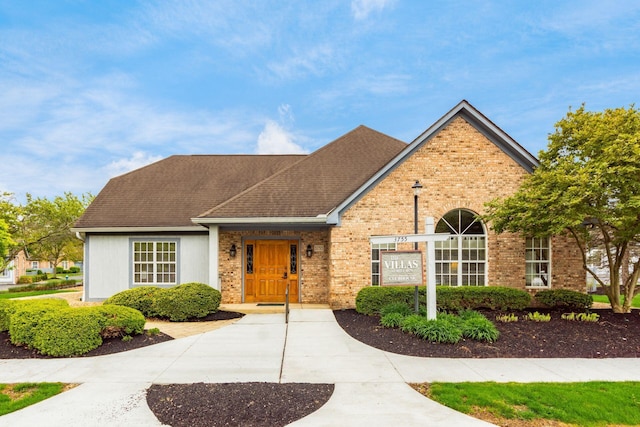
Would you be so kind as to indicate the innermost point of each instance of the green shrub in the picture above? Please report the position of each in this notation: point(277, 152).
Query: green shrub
point(6, 306)
point(141, 298)
point(74, 270)
point(564, 298)
point(68, 332)
point(480, 329)
point(475, 297)
point(23, 280)
point(440, 330)
point(186, 301)
point(410, 323)
point(118, 321)
point(396, 307)
point(25, 317)
point(392, 320)
point(372, 299)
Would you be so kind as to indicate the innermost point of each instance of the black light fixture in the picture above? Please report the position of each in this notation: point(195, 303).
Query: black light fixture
point(309, 251)
point(232, 251)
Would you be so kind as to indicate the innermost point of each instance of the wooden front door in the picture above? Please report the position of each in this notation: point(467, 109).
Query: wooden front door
point(270, 265)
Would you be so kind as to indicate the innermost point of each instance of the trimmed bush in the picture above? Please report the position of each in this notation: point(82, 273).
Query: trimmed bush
point(565, 299)
point(186, 301)
point(372, 299)
point(119, 321)
point(475, 297)
point(25, 317)
point(68, 332)
point(5, 310)
point(141, 298)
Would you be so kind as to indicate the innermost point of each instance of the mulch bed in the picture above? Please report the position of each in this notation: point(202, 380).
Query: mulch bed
point(614, 335)
point(270, 404)
point(109, 345)
point(235, 404)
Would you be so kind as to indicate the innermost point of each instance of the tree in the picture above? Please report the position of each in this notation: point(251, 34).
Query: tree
point(587, 185)
point(41, 227)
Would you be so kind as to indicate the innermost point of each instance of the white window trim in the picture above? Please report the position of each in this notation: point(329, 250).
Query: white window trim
point(460, 237)
point(379, 247)
point(549, 266)
point(155, 240)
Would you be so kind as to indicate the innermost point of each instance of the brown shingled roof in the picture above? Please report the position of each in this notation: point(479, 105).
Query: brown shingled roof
point(318, 183)
point(170, 192)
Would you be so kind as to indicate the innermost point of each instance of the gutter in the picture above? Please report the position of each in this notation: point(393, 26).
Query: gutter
point(320, 219)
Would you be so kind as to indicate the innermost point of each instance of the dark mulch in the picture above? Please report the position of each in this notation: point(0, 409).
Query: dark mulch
point(614, 335)
point(109, 345)
point(270, 404)
point(235, 404)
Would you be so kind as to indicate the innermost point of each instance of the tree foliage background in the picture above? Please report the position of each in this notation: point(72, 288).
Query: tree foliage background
point(41, 227)
point(588, 185)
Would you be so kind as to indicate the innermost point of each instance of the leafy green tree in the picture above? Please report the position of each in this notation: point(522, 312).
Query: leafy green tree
point(51, 221)
point(41, 227)
point(587, 185)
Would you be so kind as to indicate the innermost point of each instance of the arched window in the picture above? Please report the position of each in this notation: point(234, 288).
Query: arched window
point(461, 260)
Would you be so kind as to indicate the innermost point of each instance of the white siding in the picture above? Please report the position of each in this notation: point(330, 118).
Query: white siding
point(108, 263)
point(194, 259)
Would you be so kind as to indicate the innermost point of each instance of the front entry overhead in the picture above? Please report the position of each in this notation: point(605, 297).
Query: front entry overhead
point(269, 266)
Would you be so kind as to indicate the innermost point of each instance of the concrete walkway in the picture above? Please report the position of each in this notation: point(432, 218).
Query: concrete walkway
point(370, 385)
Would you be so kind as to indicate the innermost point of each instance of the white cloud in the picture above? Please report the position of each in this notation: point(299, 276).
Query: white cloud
point(137, 160)
point(274, 139)
point(361, 9)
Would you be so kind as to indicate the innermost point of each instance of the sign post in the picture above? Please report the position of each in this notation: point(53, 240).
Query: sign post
point(430, 238)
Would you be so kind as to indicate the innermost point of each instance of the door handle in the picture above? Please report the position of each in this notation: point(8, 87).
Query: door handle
point(285, 275)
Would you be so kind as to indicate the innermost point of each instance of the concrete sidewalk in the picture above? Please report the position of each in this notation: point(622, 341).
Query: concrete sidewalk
point(370, 385)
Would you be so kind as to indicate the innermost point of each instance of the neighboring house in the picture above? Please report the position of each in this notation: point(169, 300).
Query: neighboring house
point(22, 265)
point(251, 225)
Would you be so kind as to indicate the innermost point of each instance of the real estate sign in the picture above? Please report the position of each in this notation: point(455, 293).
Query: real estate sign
point(399, 268)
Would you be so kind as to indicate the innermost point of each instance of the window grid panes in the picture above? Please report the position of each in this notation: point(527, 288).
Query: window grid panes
point(154, 263)
point(375, 260)
point(537, 256)
point(461, 260)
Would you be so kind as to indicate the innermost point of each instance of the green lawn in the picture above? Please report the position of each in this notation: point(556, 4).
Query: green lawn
point(603, 298)
point(584, 404)
point(10, 295)
point(18, 396)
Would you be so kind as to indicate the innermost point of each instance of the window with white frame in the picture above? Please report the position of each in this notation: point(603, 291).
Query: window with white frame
point(65, 265)
point(154, 262)
point(537, 259)
point(34, 265)
point(461, 260)
point(375, 260)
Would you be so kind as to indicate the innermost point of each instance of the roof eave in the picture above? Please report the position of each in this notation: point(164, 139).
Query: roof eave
point(135, 229)
point(320, 219)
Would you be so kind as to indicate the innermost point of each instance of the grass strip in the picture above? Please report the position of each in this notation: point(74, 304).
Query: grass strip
point(635, 302)
point(17, 396)
point(10, 295)
point(585, 404)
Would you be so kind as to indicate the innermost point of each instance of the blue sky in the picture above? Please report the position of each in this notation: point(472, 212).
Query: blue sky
point(92, 89)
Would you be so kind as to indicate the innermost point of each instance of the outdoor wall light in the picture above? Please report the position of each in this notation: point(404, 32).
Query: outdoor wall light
point(309, 251)
point(232, 251)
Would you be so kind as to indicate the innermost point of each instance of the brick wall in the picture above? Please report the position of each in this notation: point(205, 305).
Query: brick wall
point(459, 168)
